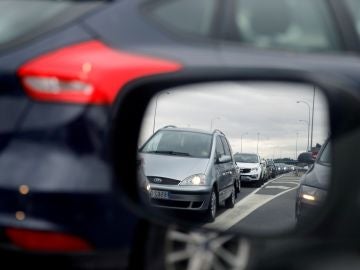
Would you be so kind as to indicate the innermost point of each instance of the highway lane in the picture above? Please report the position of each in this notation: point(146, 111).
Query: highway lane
point(268, 208)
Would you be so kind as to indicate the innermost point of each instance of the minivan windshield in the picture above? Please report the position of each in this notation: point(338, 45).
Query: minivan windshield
point(325, 157)
point(246, 158)
point(179, 143)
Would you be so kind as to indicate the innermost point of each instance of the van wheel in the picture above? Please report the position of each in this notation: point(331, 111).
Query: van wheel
point(212, 208)
point(259, 182)
point(237, 186)
point(230, 202)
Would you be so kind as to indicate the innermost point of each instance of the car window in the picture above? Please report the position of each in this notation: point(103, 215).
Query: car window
point(188, 16)
point(246, 158)
point(354, 8)
point(286, 24)
point(22, 20)
point(219, 147)
point(19, 17)
point(325, 157)
point(226, 146)
point(182, 143)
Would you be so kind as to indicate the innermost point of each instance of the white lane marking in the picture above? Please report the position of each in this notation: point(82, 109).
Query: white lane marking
point(253, 192)
point(256, 190)
point(287, 182)
point(243, 208)
point(278, 187)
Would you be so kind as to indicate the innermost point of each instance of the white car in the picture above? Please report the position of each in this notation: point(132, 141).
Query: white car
point(251, 169)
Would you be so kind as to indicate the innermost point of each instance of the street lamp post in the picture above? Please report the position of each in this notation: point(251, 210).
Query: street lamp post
point(212, 121)
point(241, 139)
point(312, 120)
point(296, 147)
point(258, 139)
point(307, 123)
point(156, 101)
point(308, 105)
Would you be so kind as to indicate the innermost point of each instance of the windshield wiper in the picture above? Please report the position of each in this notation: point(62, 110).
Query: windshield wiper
point(175, 153)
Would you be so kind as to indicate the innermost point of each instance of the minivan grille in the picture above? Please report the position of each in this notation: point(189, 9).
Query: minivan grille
point(162, 180)
point(170, 203)
point(245, 170)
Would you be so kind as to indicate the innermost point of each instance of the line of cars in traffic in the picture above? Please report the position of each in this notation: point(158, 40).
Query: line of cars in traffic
point(195, 170)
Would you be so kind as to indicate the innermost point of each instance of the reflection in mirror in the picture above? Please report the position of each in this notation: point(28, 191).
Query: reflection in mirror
point(250, 156)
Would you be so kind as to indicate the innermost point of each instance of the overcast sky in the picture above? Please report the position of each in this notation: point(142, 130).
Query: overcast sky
point(269, 109)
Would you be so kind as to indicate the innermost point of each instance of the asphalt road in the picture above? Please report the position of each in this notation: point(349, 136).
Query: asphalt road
point(270, 208)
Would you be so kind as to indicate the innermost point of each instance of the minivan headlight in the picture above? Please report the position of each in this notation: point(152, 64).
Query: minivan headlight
point(194, 180)
point(254, 169)
point(312, 195)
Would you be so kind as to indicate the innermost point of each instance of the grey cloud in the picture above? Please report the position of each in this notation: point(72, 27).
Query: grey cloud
point(267, 108)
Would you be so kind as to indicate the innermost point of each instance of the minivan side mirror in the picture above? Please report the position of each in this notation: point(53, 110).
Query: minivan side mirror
point(223, 159)
point(306, 157)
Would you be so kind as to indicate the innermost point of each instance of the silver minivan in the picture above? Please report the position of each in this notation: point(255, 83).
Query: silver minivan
point(190, 169)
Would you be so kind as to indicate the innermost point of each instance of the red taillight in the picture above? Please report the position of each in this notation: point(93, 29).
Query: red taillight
point(89, 72)
point(46, 241)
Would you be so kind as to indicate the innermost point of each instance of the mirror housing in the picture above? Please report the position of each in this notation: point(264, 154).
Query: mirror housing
point(141, 92)
point(223, 159)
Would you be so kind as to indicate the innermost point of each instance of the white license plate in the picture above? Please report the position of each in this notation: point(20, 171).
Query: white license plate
point(158, 194)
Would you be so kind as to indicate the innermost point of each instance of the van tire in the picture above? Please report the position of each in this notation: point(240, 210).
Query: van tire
point(237, 186)
point(230, 202)
point(260, 182)
point(210, 213)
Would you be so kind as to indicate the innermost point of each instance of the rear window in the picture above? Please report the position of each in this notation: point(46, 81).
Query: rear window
point(186, 16)
point(305, 25)
point(23, 18)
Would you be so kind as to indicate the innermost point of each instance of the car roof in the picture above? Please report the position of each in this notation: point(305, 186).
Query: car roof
point(188, 130)
point(246, 154)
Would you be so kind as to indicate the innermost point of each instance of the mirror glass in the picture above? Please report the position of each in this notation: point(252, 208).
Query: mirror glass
point(249, 156)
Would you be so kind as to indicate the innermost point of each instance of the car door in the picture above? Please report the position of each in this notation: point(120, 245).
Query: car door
point(220, 168)
point(229, 166)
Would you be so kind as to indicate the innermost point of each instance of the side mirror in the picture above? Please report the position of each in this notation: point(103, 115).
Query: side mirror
point(176, 178)
point(223, 159)
point(306, 157)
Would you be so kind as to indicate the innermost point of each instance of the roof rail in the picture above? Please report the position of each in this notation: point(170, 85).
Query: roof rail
point(170, 126)
point(216, 130)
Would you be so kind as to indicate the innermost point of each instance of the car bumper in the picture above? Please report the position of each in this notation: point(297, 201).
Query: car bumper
point(184, 198)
